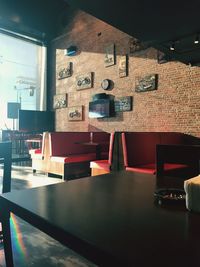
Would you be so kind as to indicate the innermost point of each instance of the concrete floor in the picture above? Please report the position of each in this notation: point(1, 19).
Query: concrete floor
point(31, 247)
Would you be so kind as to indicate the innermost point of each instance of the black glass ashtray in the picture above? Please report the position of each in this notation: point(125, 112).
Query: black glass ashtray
point(169, 196)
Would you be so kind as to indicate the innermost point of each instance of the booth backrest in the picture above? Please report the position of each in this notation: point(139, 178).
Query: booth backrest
point(103, 138)
point(65, 143)
point(172, 138)
point(111, 144)
point(139, 147)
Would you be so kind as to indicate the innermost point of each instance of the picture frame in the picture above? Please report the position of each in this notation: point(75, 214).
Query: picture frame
point(146, 83)
point(123, 104)
point(135, 45)
point(109, 58)
point(161, 57)
point(75, 113)
point(84, 81)
point(60, 101)
point(65, 72)
point(123, 66)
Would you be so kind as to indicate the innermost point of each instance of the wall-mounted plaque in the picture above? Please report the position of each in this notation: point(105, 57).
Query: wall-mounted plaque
point(109, 59)
point(65, 72)
point(123, 66)
point(162, 57)
point(60, 101)
point(135, 45)
point(124, 104)
point(84, 81)
point(147, 83)
point(75, 113)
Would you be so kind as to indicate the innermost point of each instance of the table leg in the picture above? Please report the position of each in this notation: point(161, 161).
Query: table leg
point(5, 220)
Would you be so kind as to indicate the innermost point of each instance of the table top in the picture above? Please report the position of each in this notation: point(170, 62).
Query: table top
point(112, 219)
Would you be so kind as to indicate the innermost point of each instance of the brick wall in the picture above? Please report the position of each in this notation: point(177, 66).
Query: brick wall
point(174, 106)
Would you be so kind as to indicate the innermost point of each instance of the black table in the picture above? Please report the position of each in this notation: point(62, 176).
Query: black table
point(111, 220)
point(93, 144)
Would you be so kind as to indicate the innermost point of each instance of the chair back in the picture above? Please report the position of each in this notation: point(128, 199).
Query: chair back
point(6, 159)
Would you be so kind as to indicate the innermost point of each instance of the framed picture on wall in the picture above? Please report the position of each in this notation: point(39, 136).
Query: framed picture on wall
point(65, 72)
point(75, 113)
point(146, 83)
point(162, 57)
point(109, 58)
point(123, 68)
point(135, 45)
point(60, 101)
point(84, 81)
point(124, 103)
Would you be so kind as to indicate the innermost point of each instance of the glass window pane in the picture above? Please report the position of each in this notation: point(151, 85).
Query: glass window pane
point(22, 76)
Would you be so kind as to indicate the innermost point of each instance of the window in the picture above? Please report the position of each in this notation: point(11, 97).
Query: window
point(22, 76)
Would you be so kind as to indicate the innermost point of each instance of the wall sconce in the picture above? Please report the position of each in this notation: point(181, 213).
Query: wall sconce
point(70, 51)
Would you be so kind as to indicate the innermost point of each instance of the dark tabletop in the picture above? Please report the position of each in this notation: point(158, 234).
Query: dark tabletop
point(113, 220)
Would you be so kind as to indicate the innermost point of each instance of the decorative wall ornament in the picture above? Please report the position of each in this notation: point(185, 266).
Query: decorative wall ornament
point(60, 101)
point(124, 104)
point(123, 66)
point(135, 45)
point(106, 84)
point(65, 72)
point(147, 83)
point(75, 113)
point(161, 57)
point(109, 59)
point(84, 81)
point(71, 50)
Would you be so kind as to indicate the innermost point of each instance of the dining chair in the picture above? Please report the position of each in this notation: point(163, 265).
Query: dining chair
point(6, 160)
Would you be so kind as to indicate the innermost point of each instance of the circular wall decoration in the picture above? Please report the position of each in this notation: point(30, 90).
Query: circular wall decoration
point(106, 84)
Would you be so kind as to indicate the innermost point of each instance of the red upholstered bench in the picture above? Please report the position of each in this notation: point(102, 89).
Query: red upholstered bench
point(103, 166)
point(139, 150)
point(69, 157)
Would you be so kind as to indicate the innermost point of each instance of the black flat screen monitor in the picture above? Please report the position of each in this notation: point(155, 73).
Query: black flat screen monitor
point(101, 108)
point(36, 121)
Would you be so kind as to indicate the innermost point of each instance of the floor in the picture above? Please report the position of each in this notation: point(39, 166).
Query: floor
point(31, 247)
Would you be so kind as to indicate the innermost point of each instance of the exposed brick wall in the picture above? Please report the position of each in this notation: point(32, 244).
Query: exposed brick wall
point(175, 106)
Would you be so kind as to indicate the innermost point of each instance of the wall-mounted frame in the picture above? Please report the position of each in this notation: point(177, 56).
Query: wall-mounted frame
point(161, 57)
point(147, 83)
point(109, 58)
point(65, 72)
point(60, 101)
point(84, 81)
point(75, 113)
point(124, 104)
point(135, 45)
point(123, 66)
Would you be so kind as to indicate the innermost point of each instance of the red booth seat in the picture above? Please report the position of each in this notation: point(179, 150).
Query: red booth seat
point(75, 158)
point(70, 152)
point(139, 150)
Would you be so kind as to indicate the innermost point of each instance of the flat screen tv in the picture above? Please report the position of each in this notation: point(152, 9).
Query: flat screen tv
point(101, 108)
point(36, 121)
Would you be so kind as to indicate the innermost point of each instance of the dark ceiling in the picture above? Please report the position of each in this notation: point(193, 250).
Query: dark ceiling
point(157, 23)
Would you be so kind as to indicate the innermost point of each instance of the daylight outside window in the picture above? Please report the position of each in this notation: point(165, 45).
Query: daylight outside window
point(22, 77)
